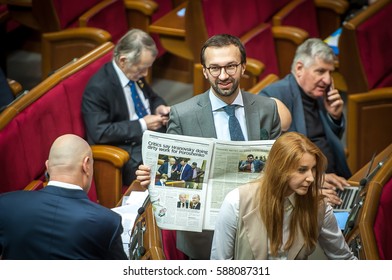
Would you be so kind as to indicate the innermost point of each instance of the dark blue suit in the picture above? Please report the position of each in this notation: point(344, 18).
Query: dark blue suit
point(186, 173)
point(287, 90)
point(58, 223)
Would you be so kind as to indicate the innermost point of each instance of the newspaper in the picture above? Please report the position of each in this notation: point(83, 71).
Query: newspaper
point(193, 204)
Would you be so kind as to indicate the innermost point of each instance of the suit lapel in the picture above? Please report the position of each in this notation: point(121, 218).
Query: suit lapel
point(117, 91)
point(256, 233)
point(252, 116)
point(298, 108)
point(297, 246)
point(205, 117)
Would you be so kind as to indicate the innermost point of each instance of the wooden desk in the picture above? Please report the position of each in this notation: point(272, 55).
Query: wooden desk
point(171, 31)
point(354, 180)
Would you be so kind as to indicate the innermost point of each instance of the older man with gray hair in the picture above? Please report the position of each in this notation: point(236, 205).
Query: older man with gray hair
point(316, 108)
point(118, 104)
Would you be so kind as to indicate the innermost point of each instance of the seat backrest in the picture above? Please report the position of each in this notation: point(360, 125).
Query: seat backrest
point(56, 15)
point(108, 15)
point(365, 49)
point(370, 239)
point(382, 226)
point(30, 124)
point(299, 13)
point(367, 129)
point(374, 224)
point(237, 18)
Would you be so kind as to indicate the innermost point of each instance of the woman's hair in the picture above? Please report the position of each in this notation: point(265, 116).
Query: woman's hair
point(311, 49)
point(220, 41)
point(132, 44)
point(283, 160)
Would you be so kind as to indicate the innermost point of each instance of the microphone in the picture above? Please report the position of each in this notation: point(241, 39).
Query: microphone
point(140, 210)
point(264, 134)
point(365, 180)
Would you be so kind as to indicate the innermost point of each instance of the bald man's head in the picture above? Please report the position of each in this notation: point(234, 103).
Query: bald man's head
point(70, 160)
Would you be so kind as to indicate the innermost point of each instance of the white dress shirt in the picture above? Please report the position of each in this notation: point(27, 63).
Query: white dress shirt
point(128, 97)
point(221, 118)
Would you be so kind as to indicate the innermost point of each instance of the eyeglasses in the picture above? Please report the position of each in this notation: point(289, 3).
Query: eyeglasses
point(230, 69)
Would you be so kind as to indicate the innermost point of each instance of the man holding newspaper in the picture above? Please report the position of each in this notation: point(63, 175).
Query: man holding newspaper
point(224, 62)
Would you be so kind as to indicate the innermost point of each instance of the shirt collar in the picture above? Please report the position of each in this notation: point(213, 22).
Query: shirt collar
point(64, 185)
point(123, 79)
point(218, 104)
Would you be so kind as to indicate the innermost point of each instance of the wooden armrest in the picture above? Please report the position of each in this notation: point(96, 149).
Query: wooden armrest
point(59, 48)
point(34, 185)
point(84, 18)
point(338, 6)
point(117, 156)
point(15, 87)
point(254, 67)
point(146, 7)
point(269, 79)
point(108, 163)
point(290, 33)
point(139, 13)
point(287, 39)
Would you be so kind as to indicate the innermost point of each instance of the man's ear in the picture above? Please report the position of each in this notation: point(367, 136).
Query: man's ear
point(243, 68)
point(299, 68)
point(205, 73)
point(86, 165)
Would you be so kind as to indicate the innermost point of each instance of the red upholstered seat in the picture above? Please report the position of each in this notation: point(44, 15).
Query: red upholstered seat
point(69, 11)
point(365, 49)
point(382, 224)
point(301, 14)
point(29, 126)
point(374, 39)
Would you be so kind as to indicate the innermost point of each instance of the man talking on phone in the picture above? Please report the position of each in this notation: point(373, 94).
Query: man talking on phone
point(316, 108)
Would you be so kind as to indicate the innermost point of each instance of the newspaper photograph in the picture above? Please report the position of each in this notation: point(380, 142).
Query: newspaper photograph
point(179, 170)
point(190, 176)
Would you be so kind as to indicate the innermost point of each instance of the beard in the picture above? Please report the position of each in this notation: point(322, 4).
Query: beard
point(225, 92)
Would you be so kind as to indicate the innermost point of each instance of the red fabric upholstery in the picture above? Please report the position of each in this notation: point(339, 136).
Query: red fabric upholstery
point(382, 225)
point(266, 9)
point(375, 46)
point(26, 140)
point(112, 19)
point(169, 246)
point(266, 53)
point(238, 18)
point(69, 11)
point(303, 16)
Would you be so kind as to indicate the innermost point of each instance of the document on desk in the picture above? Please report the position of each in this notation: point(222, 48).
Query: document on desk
point(190, 198)
point(128, 212)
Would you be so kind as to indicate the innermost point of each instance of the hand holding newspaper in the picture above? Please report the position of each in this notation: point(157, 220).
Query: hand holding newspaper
point(190, 176)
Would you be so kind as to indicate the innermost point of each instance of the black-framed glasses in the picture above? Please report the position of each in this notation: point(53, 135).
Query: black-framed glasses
point(230, 69)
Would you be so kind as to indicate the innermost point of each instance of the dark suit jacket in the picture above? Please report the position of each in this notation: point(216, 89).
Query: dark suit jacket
point(187, 173)
point(194, 117)
point(164, 168)
point(106, 115)
point(197, 206)
point(179, 204)
point(287, 90)
point(58, 223)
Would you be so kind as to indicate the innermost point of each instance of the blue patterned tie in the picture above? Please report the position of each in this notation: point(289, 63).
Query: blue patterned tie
point(234, 125)
point(139, 107)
